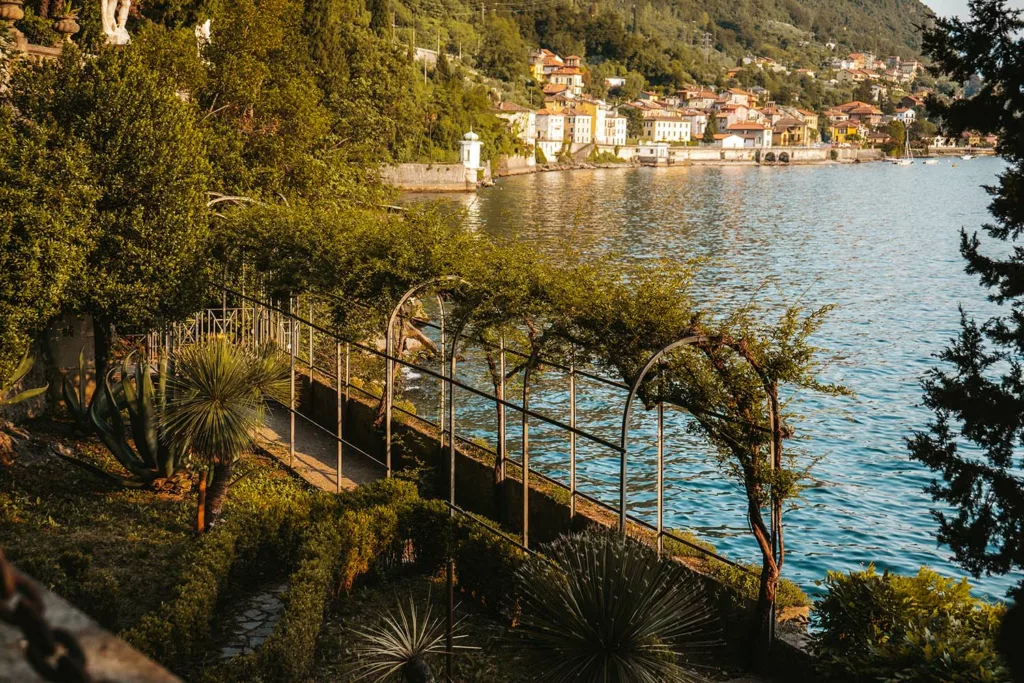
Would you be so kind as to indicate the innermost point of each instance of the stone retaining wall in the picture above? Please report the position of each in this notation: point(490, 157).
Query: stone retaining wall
point(434, 177)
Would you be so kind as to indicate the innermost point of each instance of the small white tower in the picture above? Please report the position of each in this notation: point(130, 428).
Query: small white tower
point(470, 152)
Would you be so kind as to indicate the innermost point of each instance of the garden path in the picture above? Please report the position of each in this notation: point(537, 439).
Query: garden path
point(316, 453)
point(254, 622)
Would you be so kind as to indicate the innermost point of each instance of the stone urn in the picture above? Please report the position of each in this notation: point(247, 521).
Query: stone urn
point(67, 26)
point(11, 11)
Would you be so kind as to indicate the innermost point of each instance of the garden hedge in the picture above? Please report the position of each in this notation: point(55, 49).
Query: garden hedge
point(260, 536)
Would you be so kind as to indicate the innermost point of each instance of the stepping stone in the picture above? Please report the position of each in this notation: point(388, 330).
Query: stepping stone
point(229, 652)
point(263, 631)
point(254, 614)
point(256, 641)
point(250, 625)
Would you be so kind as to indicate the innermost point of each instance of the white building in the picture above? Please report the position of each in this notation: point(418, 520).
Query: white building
point(615, 130)
point(579, 127)
point(729, 141)
point(753, 134)
point(906, 116)
point(521, 121)
point(550, 132)
point(653, 153)
point(666, 129)
point(469, 152)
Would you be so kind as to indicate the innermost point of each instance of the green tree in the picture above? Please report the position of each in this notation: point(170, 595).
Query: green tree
point(148, 175)
point(219, 392)
point(973, 442)
point(711, 129)
point(897, 136)
point(46, 206)
point(635, 83)
point(503, 52)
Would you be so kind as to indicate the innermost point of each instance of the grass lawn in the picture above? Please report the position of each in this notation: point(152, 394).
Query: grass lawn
point(114, 552)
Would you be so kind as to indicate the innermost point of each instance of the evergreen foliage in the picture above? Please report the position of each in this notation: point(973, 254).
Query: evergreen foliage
point(46, 206)
point(973, 443)
point(143, 201)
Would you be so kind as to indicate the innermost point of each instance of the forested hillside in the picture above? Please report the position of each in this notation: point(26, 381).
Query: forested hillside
point(665, 39)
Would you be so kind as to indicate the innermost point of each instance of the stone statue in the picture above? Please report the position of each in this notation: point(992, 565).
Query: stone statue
point(114, 15)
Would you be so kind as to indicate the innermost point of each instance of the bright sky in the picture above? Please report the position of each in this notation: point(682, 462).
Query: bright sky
point(947, 7)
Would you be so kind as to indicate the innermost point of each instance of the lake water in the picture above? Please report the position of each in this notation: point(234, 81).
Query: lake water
point(879, 241)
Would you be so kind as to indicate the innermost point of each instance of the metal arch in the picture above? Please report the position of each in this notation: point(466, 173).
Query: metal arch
point(774, 428)
point(450, 568)
point(627, 412)
point(389, 346)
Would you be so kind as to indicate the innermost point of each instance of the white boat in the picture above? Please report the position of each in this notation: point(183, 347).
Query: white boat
point(965, 157)
point(907, 159)
point(931, 162)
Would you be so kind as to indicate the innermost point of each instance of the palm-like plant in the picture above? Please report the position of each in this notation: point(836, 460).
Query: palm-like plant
point(607, 609)
point(400, 645)
point(216, 407)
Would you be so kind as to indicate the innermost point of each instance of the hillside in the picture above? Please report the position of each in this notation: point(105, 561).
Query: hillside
point(667, 43)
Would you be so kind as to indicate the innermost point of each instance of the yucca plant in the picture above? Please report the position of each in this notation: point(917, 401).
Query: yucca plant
point(217, 404)
point(400, 647)
point(608, 609)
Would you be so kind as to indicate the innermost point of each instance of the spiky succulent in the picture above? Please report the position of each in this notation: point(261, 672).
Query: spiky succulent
point(608, 609)
point(7, 397)
point(400, 646)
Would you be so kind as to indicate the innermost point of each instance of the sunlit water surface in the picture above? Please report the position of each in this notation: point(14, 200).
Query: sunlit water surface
point(879, 241)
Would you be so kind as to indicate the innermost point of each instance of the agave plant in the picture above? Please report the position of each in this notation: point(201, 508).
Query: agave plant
point(148, 455)
point(219, 392)
point(9, 434)
point(607, 608)
point(401, 645)
point(140, 446)
point(7, 385)
point(74, 397)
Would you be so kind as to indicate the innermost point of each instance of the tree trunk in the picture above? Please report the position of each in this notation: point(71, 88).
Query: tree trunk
point(765, 624)
point(44, 9)
point(103, 341)
point(218, 492)
point(201, 512)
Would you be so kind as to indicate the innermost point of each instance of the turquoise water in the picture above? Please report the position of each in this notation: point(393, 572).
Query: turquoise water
point(879, 241)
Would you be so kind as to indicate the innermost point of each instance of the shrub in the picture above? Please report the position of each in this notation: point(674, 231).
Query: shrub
point(363, 534)
point(609, 608)
point(255, 536)
point(920, 629)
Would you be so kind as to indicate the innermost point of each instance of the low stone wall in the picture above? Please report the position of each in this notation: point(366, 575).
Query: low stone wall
point(857, 154)
point(515, 165)
point(624, 152)
point(434, 177)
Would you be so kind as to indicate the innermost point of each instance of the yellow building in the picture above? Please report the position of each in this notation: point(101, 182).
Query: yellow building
point(790, 132)
point(844, 131)
point(809, 117)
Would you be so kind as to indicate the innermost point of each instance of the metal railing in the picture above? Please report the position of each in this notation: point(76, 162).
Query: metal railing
point(251, 320)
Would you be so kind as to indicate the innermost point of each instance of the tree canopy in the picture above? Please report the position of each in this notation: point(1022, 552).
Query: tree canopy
point(974, 440)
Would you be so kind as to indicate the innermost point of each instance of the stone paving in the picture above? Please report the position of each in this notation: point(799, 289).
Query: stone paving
point(254, 621)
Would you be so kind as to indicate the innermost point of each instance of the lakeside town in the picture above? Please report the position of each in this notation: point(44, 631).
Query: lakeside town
point(573, 125)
